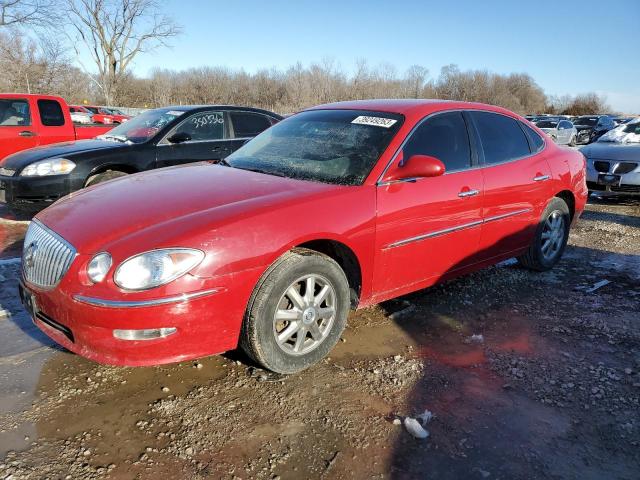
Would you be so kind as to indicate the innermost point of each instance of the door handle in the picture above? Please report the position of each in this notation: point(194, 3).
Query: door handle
point(541, 178)
point(27, 133)
point(468, 193)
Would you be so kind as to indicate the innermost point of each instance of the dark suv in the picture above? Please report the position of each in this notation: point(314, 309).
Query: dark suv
point(592, 127)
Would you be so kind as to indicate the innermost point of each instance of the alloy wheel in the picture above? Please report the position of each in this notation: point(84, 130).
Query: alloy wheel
point(553, 235)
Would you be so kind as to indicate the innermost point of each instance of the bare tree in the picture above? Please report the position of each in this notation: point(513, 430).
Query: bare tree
point(20, 13)
point(114, 32)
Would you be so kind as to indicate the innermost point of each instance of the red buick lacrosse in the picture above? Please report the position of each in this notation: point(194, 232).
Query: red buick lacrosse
point(340, 206)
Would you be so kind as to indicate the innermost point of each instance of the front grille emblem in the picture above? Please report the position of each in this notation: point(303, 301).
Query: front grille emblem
point(30, 255)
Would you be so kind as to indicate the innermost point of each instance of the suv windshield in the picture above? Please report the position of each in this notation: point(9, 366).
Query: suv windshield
point(143, 127)
point(588, 121)
point(547, 124)
point(331, 146)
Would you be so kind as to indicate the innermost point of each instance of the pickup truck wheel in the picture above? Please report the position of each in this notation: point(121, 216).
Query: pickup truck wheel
point(103, 177)
point(296, 313)
point(550, 239)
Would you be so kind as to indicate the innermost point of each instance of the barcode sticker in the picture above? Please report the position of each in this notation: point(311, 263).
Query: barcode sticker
point(374, 121)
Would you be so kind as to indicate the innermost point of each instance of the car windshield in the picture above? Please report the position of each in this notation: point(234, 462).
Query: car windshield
point(626, 133)
point(588, 121)
point(143, 127)
point(547, 124)
point(331, 146)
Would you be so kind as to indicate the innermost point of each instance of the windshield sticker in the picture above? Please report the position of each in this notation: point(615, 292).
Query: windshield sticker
point(175, 113)
point(374, 121)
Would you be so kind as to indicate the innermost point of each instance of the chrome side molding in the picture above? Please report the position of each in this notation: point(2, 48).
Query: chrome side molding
point(99, 302)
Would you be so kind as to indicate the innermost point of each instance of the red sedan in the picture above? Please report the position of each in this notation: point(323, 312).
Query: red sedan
point(340, 206)
point(107, 115)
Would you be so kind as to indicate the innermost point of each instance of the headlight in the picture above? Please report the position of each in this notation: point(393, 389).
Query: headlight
point(157, 267)
point(99, 267)
point(52, 166)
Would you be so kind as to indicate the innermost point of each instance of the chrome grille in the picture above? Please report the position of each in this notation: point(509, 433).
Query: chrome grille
point(46, 256)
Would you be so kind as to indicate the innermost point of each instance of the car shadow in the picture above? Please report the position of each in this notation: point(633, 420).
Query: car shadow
point(474, 334)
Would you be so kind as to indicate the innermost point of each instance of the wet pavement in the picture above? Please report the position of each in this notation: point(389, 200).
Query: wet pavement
point(528, 375)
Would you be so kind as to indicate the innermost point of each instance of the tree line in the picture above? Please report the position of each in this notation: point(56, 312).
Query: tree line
point(114, 32)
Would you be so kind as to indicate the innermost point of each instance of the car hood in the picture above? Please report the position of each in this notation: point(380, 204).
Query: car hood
point(22, 159)
point(612, 151)
point(169, 202)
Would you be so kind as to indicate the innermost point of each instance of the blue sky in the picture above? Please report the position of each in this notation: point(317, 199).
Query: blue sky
point(568, 46)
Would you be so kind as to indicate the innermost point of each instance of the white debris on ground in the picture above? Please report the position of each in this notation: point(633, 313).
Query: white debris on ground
point(475, 338)
point(414, 428)
point(597, 286)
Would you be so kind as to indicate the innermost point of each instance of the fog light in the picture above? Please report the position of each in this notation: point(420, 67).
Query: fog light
point(146, 334)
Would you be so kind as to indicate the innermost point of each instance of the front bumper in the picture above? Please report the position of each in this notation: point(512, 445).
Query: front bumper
point(629, 182)
point(207, 322)
point(33, 194)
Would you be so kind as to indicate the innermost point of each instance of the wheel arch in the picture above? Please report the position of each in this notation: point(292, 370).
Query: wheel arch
point(569, 199)
point(119, 167)
point(345, 257)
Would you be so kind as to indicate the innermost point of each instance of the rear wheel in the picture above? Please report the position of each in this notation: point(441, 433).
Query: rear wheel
point(104, 176)
point(297, 312)
point(550, 239)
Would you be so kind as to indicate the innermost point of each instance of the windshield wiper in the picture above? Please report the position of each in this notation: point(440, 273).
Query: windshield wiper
point(117, 138)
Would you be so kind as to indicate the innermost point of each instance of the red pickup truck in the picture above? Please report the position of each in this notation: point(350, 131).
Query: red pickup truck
point(28, 121)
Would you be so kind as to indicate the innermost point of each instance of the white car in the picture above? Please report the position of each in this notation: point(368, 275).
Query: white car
point(562, 131)
point(80, 115)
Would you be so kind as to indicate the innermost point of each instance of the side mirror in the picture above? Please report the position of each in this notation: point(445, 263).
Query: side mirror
point(416, 166)
point(179, 137)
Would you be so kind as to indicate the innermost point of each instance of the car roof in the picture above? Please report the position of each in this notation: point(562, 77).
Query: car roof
point(410, 107)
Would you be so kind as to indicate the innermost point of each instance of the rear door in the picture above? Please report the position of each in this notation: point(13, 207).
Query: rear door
point(246, 125)
point(516, 186)
point(427, 227)
point(208, 133)
point(17, 131)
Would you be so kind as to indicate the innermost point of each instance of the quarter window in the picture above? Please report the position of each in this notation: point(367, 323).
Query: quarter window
point(501, 137)
point(536, 141)
point(51, 113)
point(203, 126)
point(14, 113)
point(443, 136)
point(248, 124)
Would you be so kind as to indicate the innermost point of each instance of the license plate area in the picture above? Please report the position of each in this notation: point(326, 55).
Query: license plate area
point(608, 179)
point(30, 304)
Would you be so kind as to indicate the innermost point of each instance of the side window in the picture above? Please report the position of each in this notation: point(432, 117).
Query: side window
point(536, 141)
point(203, 126)
point(50, 113)
point(445, 137)
point(501, 137)
point(14, 113)
point(248, 124)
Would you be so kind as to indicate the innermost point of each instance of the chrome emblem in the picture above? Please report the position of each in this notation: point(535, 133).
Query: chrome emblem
point(30, 255)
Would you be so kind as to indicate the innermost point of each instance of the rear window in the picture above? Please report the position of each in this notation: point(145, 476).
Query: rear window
point(14, 113)
point(535, 140)
point(50, 113)
point(249, 124)
point(501, 137)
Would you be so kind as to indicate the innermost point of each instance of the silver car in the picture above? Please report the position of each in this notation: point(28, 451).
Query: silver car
point(613, 162)
point(560, 130)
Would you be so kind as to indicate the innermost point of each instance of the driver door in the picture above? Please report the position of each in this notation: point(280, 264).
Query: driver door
point(428, 227)
point(204, 135)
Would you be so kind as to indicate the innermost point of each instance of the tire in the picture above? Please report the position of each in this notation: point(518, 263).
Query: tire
point(537, 258)
point(103, 177)
point(299, 349)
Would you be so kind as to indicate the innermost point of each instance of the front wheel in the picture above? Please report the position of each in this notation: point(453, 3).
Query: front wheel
point(297, 312)
point(103, 177)
point(550, 239)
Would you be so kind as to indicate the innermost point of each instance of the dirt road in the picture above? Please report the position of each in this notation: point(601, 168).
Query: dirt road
point(527, 375)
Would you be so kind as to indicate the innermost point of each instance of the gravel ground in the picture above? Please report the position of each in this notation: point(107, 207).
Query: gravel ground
point(522, 375)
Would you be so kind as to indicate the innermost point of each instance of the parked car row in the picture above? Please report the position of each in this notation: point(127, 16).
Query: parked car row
point(269, 244)
point(90, 114)
point(35, 178)
point(566, 130)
